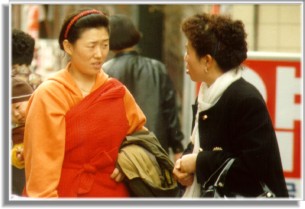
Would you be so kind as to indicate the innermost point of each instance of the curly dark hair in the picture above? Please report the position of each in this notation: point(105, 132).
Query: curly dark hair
point(22, 47)
point(219, 36)
point(81, 24)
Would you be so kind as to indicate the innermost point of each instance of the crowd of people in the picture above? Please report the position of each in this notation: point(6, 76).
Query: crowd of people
point(67, 130)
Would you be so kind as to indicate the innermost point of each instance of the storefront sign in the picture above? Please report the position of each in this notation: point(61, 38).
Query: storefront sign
point(279, 80)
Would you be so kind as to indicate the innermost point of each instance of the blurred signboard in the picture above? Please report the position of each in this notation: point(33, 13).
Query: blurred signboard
point(278, 77)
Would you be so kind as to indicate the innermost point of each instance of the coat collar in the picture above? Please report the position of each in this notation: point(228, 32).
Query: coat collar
point(133, 52)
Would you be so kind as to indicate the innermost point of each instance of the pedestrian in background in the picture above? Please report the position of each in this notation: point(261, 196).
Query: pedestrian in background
point(23, 47)
point(231, 119)
point(21, 92)
point(148, 82)
point(78, 118)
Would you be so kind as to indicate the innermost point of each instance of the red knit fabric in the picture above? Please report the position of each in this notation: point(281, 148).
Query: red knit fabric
point(95, 129)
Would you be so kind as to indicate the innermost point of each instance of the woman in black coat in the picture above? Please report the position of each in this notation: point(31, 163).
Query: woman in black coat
point(231, 119)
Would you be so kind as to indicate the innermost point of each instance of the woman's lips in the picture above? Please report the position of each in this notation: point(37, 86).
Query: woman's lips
point(97, 65)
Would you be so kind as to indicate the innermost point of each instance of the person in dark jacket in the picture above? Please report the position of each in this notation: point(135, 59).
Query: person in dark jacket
point(231, 119)
point(147, 80)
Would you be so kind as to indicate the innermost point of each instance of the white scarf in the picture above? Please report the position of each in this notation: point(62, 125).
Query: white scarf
point(207, 97)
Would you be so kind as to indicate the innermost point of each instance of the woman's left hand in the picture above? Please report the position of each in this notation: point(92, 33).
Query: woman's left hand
point(188, 163)
point(117, 175)
point(185, 179)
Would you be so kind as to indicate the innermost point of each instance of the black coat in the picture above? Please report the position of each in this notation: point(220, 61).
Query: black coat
point(240, 125)
point(149, 83)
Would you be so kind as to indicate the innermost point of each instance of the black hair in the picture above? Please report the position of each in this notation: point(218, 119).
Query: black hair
point(123, 33)
point(84, 22)
point(23, 46)
point(219, 36)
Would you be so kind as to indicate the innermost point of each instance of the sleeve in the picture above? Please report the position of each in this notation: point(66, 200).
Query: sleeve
point(44, 141)
point(135, 116)
point(170, 111)
point(252, 142)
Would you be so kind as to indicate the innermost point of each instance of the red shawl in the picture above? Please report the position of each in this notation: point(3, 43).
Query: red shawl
point(95, 129)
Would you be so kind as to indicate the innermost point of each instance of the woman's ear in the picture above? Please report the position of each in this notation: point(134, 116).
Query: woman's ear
point(209, 60)
point(67, 47)
point(206, 60)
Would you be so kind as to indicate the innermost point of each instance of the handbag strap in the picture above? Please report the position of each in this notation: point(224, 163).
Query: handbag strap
point(267, 192)
point(217, 172)
point(220, 182)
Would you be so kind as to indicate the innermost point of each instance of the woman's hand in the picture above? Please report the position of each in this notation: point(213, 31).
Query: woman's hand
point(188, 163)
point(117, 175)
point(177, 156)
point(185, 179)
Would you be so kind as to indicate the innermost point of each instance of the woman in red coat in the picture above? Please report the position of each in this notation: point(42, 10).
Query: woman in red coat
point(78, 118)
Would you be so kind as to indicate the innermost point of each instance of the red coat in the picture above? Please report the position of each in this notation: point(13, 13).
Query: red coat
point(71, 142)
point(95, 130)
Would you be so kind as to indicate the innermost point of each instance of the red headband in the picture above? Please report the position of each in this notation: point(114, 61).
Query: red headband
point(75, 18)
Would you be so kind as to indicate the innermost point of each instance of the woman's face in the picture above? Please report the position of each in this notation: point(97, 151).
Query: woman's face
point(90, 51)
point(18, 112)
point(194, 65)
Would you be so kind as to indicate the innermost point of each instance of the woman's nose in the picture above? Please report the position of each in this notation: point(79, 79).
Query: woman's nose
point(99, 52)
point(18, 115)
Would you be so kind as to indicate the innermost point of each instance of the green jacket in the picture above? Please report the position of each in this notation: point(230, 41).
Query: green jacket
point(147, 166)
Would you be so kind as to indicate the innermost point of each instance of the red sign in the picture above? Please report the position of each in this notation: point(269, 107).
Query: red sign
point(280, 84)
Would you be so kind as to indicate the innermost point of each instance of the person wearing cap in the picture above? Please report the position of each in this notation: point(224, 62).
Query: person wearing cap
point(21, 92)
point(77, 119)
point(148, 81)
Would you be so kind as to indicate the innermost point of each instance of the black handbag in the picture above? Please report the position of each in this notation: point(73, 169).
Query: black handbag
point(216, 189)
